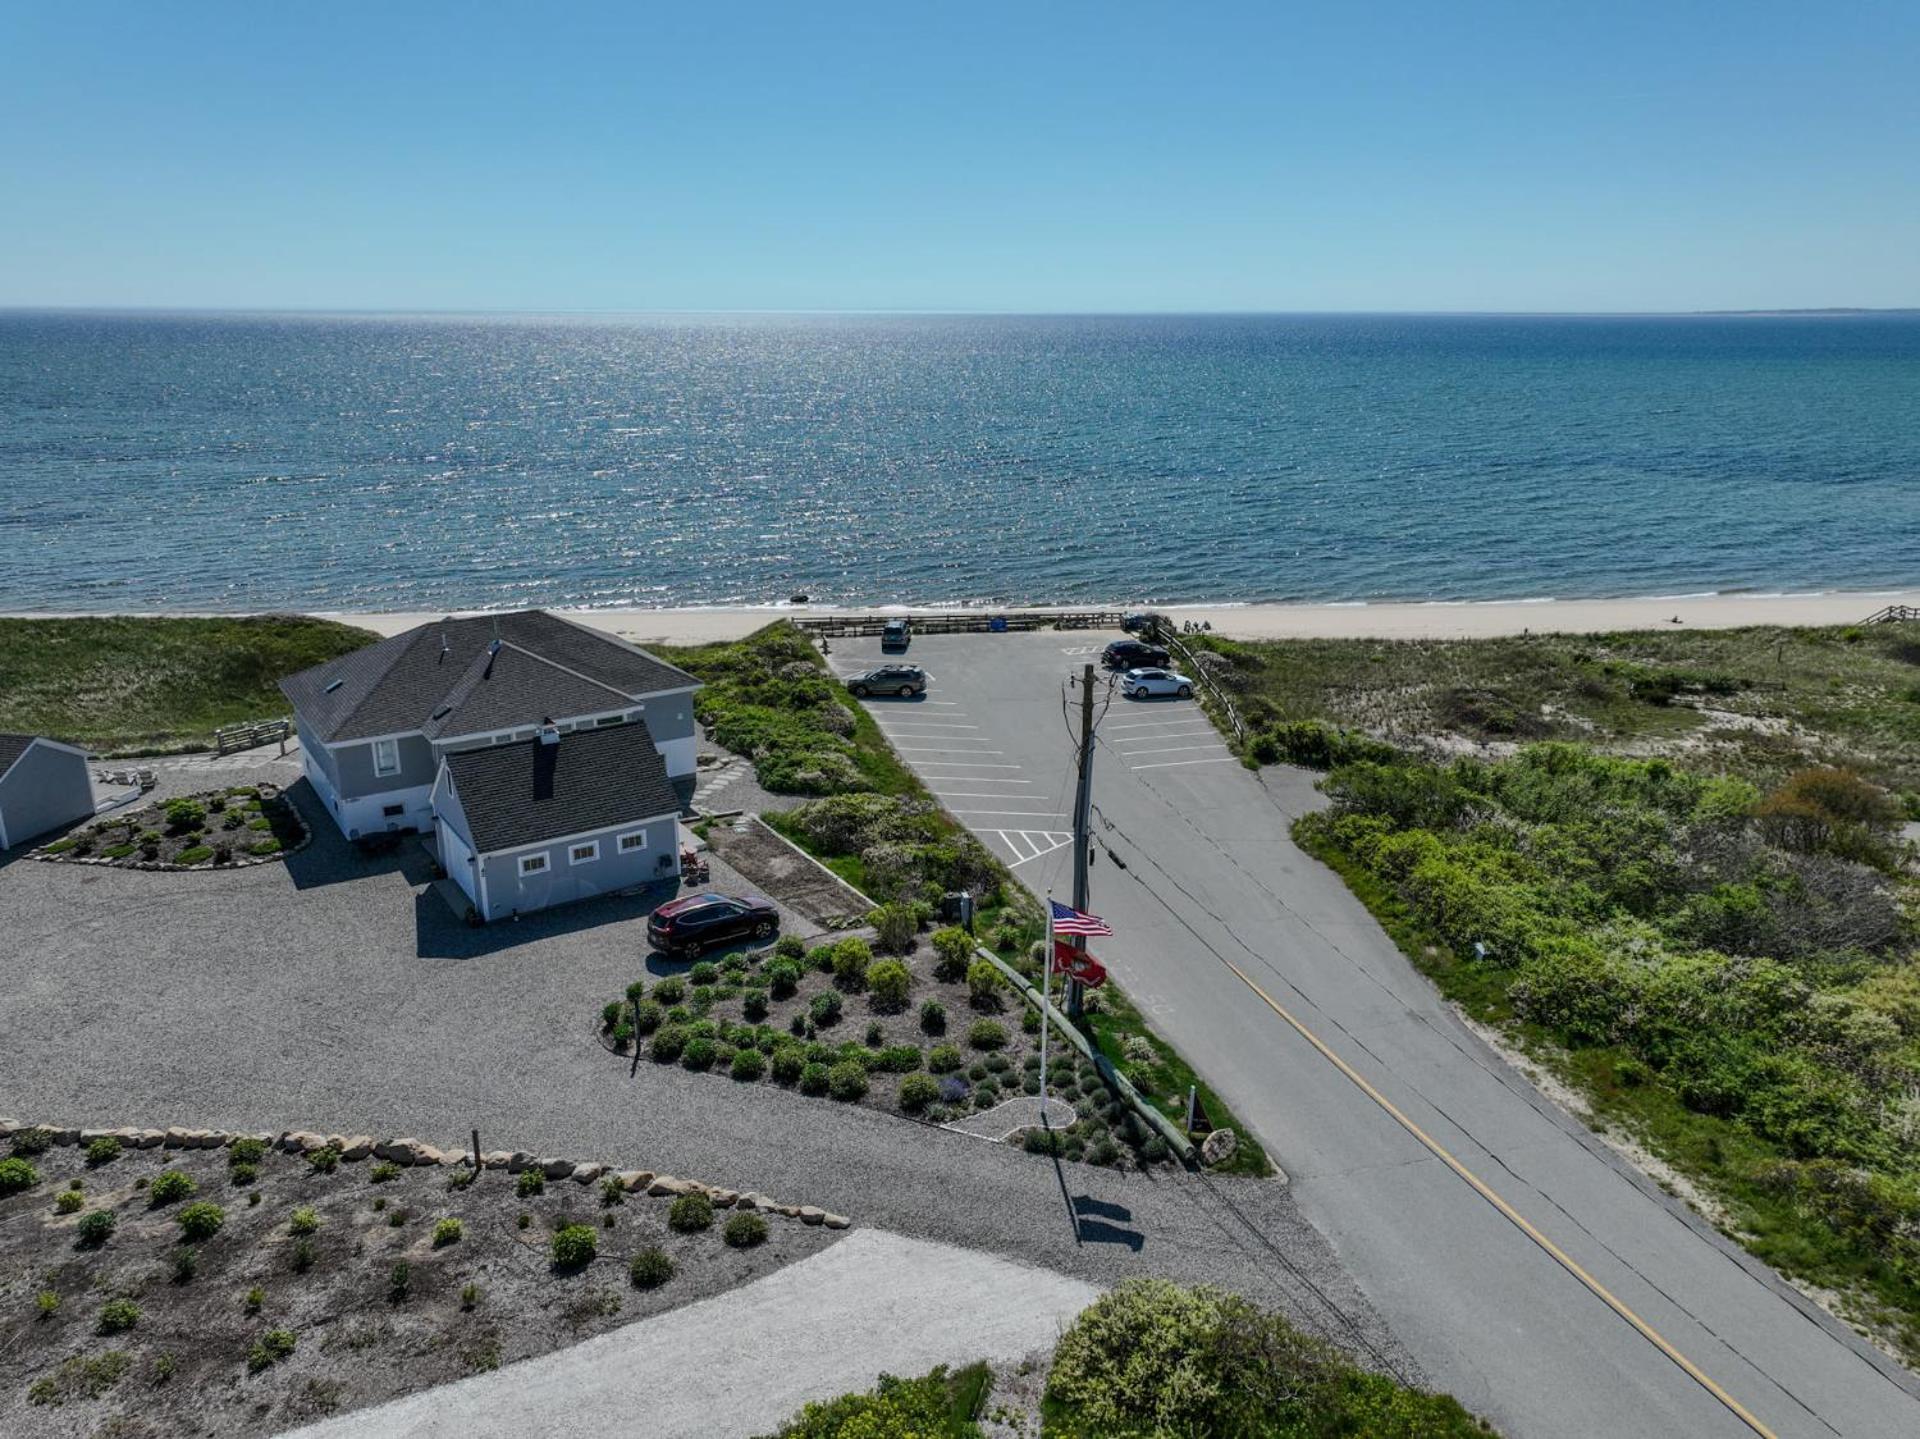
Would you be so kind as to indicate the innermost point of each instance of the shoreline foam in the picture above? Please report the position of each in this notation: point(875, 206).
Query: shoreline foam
point(1417, 619)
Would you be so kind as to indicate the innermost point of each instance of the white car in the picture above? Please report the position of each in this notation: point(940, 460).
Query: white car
point(1142, 683)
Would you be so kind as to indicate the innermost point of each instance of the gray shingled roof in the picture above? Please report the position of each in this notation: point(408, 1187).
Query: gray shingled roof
point(529, 792)
point(396, 685)
point(12, 746)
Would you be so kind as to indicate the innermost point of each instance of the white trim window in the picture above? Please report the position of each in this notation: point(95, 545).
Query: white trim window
point(633, 842)
point(583, 853)
point(386, 756)
point(532, 864)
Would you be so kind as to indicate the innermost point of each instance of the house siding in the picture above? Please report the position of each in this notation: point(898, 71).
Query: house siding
point(670, 722)
point(45, 789)
point(355, 776)
point(508, 893)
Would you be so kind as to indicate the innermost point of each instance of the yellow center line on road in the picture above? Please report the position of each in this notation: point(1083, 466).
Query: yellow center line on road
point(1519, 1221)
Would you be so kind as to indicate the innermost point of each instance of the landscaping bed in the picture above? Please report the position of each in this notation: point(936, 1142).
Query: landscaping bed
point(262, 1289)
point(215, 829)
point(929, 1031)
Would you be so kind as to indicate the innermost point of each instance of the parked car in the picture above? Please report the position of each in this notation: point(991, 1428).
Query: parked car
point(1136, 622)
point(700, 921)
point(894, 635)
point(1134, 654)
point(1144, 683)
point(890, 680)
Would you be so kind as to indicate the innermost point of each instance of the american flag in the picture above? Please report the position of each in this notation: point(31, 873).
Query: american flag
point(1068, 920)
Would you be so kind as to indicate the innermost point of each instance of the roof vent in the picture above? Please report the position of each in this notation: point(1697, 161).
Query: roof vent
point(332, 687)
point(549, 733)
point(445, 648)
point(493, 653)
point(443, 712)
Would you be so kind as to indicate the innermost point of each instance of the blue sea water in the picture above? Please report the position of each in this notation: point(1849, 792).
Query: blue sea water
point(408, 462)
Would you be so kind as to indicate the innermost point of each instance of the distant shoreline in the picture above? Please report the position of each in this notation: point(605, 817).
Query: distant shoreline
point(1435, 619)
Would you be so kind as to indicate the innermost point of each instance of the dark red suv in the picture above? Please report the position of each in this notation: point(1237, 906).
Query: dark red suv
point(700, 921)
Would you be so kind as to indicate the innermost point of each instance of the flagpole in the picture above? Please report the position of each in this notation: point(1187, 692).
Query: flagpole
point(1046, 975)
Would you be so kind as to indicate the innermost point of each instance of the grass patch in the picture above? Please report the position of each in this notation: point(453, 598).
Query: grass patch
point(147, 686)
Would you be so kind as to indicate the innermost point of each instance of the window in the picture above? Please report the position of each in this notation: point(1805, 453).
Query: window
point(606, 720)
point(386, 756)
point(532, 864)
point(392, 811)
point(585, 853)
point(632, 843)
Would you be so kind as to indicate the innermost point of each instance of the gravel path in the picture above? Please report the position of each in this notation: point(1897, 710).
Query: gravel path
point(873, 1304)
point(335, 992)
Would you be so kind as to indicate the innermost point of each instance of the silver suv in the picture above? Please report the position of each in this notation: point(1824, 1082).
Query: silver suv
point(890, 680)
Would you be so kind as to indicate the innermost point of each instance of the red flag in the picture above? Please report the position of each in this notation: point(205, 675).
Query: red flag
point(1078, 964)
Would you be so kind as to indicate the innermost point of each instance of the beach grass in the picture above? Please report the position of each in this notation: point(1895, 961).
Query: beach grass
point(1759, 702)
point(129, 686)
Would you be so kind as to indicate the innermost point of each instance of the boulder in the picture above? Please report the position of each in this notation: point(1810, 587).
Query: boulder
point(87, 1136)
point(723, 1198)
point(7, 1127)
point(1218, 1147)
point(556, 1168)
point(176, 1137)
point(635, 1181)
point(210, 1139)
point(358, 1146)
point(519, 1160)
point(151, 1138)
point(497, 1159)
point(339, 1142)
point(587, 1173)
point(401, 1151)
point(837, 1221)
point(751, 1201)
point(666, 1184)
point(810, 1215)
point(64, 1135)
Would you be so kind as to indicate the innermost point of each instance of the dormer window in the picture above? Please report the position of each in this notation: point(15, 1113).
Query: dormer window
point(386, 756)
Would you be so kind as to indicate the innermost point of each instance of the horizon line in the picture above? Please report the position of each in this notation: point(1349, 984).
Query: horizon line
point(883, 312)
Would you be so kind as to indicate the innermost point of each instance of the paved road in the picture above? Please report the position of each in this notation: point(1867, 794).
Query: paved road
point(1210, 878)
point(831, 1324)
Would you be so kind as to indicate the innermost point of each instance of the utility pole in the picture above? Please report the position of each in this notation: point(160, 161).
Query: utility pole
point(1082, 829)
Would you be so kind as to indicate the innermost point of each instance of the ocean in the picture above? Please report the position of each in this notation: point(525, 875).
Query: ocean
point(382, 462)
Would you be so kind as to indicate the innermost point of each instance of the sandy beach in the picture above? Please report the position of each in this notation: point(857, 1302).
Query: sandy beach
point(1478, 620)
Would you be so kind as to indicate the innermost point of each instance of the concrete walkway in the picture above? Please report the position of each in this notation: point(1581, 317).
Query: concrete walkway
point(874, 1303)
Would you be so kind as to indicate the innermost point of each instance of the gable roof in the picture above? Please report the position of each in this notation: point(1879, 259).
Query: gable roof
point(529, 793)
point(12, 746)
point(403, 683)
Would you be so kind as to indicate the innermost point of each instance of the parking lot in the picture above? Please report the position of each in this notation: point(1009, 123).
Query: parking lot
point(991, 738)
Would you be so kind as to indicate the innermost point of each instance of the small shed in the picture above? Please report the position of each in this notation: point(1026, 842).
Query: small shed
point(44, 784)
point(557, 818)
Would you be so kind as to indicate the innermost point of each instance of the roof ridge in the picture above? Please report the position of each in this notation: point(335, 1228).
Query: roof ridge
point(400, 652)
point(619, 641)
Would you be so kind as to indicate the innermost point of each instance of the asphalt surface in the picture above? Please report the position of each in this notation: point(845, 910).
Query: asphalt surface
point(338, 993)
point(1196, 871)
point(828, 1325)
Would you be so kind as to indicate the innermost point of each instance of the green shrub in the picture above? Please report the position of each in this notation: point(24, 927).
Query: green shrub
point(650, 1269)
point(273, 1346)
point(185, 814)
point(530, 1183)
point(670, 991)
point(445, 1232)
point(69, 1202)
point(26, 1143)
point(17, 1175)
point(814, 1079)
point(987, 1034)
point(324, 1160)
point(754, 1005)
point(303, 1255)
point(896, 1059)
point(894, 926)
point(917, 1091)
point(748, 1064)
point(935, 1406)
point(186, 1264)
point(851, 959)
point(703, 973)
point(253, 1299)
point(103, 1150)
point(699, 1053)
point(986, 985)
point(789, 946)
point(783, 978)
point(944, 1058)
point(201, 1220)
point(690, 1213)
point(118, 1315)
point(888, 982)
point(243, 1174)
point(194, 854)
point(96, 1227)
point(169, 1185)
point(647, 1017)
point(745, 1230)
point(824, 1009)
point(400, 1281)
point(46, 1303)
point(952, 953)
point(847, 1081)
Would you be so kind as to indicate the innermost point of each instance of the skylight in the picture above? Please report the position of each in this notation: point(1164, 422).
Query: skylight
point(332, 687)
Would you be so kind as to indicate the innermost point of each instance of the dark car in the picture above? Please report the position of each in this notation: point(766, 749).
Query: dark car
point(1135, 654)
point(894, 635)
point(700, 921)
point(890, 680)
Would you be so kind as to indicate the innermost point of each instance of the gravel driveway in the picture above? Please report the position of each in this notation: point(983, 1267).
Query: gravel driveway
point(337, 993)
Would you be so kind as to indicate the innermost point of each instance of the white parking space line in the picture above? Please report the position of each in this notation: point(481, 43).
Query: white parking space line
point(1031, 844)
point(1029, 813)
point(910, 749)
point(1146, 724)
point(989, 794)
point(1176, 749)
point(949, 764)
point(1164, 734)
point(1171, 763)
point(925, 724)
point(976, 778)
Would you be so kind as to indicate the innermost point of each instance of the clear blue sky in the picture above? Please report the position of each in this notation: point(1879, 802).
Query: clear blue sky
point(1031, 156)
